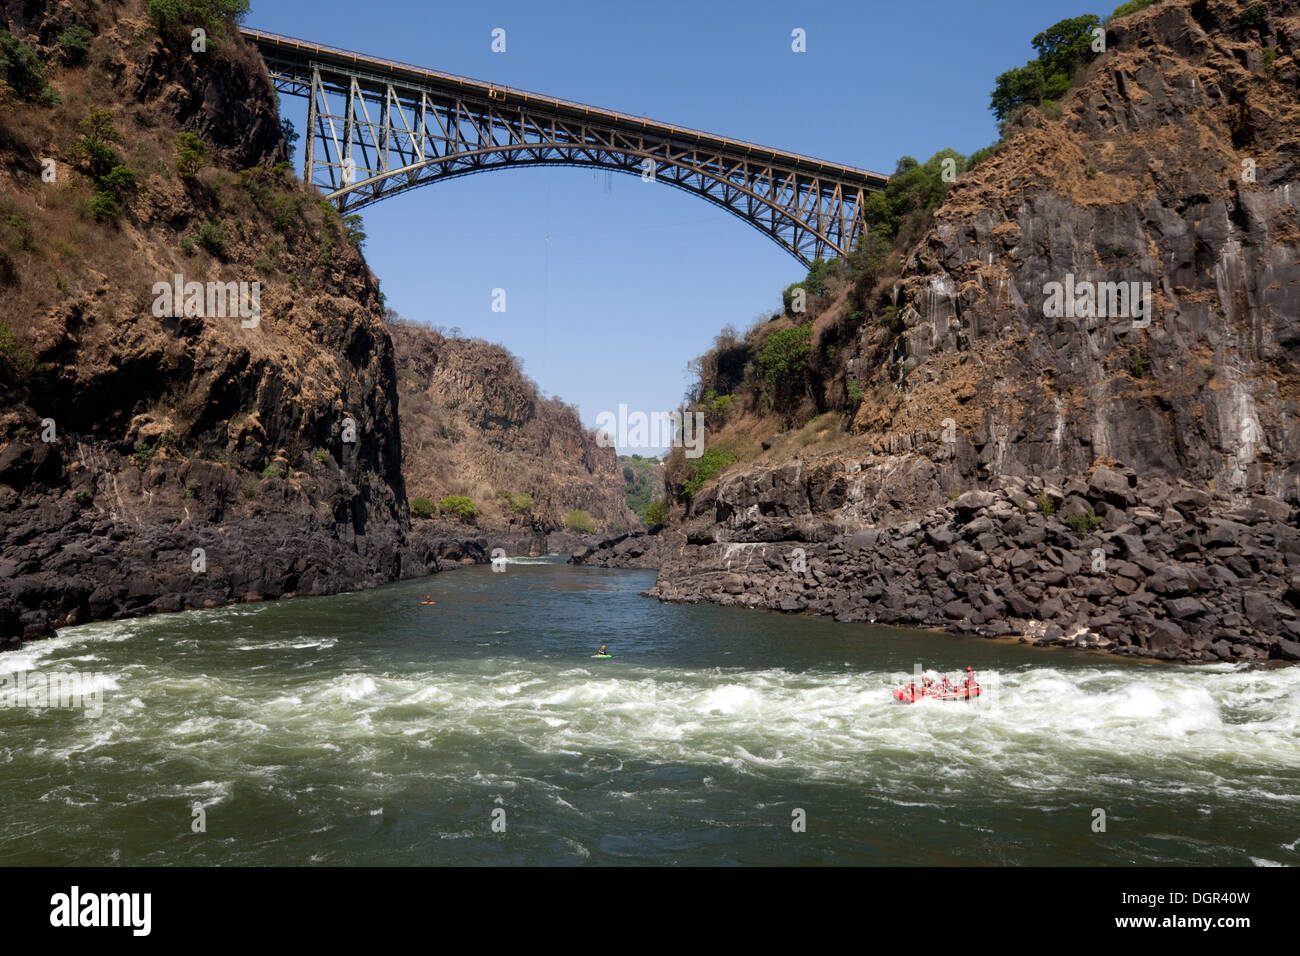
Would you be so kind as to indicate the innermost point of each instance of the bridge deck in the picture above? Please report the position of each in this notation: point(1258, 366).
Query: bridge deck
point(302, 53)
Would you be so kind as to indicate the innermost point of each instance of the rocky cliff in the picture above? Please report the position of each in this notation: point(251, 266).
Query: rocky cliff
point(1173, 164)
point(1096, 454)
point(156, 455)
point(474, 425)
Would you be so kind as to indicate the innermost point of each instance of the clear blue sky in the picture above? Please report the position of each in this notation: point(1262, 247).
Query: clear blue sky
point(612, 284)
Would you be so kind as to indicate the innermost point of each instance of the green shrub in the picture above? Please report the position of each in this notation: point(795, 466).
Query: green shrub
point(1083, 522)
point(212, 237)
point(15, 362)
point(112, 179)
point(783, 359)
point(191, 489)
point(74, 41)
point(270, 471)
point(977, 157)
point(913, 192)
point(191, 154)
point(712, 462)
point(1267, 57)
point(352, 225)
point(92, 149)
point(423, 508)
point(459, 506)
point(520, 503)
point(84, 497)
point(102, 207)
point(259, 190)
point(813, 284)
point(17, 224)
point(285, 210)
point(578, 520)
point(716, 405)
point(322, 454)
point(1254, 17)
point(22, 69)
point(179, 16)
point(1045, 504)
point(656, 513)
point(248, 488)
point(1139, 365)
point(143, 452)
point(117, 182)
point(855, 393)
point(1133, 6)
point(1050, 108)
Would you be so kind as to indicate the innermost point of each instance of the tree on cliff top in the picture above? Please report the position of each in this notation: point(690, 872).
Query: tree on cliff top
point(1063, 48)
point(180, 16)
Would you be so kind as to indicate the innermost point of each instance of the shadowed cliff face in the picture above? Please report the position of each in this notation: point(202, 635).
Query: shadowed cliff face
point(1174, 164)
point(474, 425)
point(134, 433)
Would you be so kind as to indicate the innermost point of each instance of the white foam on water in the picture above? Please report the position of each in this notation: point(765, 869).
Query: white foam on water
point(1214, 733)
point(295, 644)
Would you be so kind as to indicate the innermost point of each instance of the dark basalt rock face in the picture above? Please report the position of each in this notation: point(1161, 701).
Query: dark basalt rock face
point(639, 549)
point(190, 461)
point(992, 421)
point(1155, 568)
point(1174, 164)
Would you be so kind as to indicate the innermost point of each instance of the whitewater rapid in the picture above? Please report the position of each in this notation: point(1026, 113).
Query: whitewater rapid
point(318, 726)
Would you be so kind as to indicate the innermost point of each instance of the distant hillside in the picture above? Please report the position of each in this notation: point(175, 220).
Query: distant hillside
point(474, 426)
point(643, 480)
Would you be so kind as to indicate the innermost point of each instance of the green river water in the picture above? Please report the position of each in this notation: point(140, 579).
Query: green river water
point(367, 729)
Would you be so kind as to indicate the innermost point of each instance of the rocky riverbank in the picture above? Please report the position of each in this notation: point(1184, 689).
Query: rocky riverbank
point(639, 549)
point(1107, 560)
point(66, 562)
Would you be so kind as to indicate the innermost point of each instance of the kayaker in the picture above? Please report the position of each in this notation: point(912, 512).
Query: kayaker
point(602, 649)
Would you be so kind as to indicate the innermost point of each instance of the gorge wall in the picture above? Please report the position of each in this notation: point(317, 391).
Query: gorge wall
point(131, 438)
point(1093, 459)
point(156, 456)
point(1174, 163)
point(474, 425)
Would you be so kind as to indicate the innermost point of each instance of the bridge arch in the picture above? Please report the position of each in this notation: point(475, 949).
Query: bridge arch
point(377, 128)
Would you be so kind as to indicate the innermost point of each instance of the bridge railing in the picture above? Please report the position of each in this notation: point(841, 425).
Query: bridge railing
point(490, 88)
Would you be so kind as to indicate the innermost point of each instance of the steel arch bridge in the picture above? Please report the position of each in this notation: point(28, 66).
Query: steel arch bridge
point(377, 128)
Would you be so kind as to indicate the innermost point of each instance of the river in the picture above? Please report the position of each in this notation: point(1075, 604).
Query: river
point(367, 728)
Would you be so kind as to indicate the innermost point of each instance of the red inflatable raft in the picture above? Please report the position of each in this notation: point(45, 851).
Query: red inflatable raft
point(939, 690)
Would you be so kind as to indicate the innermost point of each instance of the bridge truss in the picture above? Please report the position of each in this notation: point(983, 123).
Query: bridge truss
point(377, 128)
